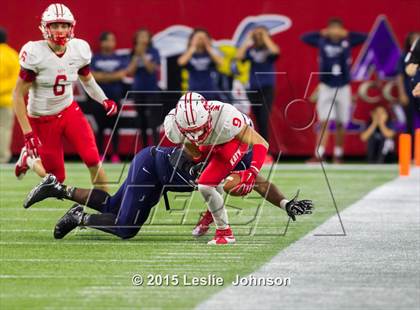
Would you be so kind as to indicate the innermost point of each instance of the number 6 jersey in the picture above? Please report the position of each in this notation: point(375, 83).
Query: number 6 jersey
point(227, 122)
point(52, 75)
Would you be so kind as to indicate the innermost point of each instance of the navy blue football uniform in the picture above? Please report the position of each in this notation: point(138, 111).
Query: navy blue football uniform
point(152, 171)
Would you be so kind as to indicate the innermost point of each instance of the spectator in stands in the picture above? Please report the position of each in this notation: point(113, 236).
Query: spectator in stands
point(144, 66)
point(405, 85)
point(9, 71)
point(109, 69)
point(200, 60)
point(262, 52)
point(412, 67)
point(379, 136)
point(334, 43)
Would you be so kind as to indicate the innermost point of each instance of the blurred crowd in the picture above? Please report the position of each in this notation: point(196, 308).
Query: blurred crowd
point(202, 62)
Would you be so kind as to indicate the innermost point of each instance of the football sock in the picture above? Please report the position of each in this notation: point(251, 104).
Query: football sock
point(215, 205)
point(107, 222)
point(93, 198)
point(103, 219)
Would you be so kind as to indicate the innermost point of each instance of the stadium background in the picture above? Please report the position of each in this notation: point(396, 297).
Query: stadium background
point(221, 19)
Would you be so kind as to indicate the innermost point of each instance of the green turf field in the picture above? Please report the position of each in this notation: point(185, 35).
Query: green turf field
point(93, 270)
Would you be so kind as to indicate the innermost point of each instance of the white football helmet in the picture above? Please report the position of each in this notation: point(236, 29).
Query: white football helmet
point(193, 117)
point(57, 13)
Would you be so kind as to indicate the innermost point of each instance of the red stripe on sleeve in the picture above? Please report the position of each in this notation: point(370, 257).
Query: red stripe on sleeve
point(84, 71)
point(27, 75)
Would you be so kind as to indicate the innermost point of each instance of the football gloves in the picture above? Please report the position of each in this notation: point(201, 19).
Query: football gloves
point(246, 185)
point(298, 207)
point(32, 144)
point(110, 107)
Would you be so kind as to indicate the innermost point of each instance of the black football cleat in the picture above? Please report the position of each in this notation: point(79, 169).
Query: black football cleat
point(69, 221)
point(49, 187)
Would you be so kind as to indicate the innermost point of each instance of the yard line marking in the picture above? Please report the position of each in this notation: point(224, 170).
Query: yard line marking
point(90, 260)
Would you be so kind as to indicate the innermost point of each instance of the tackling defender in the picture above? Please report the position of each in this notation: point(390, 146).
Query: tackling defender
point(153, 171)
point(48, 69)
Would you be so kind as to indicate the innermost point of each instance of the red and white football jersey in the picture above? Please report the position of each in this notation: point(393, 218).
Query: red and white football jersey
point(52, 89)
point(227, 122)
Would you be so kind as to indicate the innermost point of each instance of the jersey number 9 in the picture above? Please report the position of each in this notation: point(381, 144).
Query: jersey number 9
point(236, 122)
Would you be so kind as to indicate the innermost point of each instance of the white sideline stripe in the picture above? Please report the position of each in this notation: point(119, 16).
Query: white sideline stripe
point(375, 266)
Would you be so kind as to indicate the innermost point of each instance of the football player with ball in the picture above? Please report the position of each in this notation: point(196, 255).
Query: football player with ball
point(220, 135)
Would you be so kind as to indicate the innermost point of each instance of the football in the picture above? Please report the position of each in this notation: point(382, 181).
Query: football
point(230, 182)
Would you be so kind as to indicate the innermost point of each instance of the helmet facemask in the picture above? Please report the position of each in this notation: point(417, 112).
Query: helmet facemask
point(197, 134)
point(57, 36)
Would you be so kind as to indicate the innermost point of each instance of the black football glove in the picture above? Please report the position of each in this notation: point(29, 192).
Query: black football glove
point(298, 207)
point(195, 170)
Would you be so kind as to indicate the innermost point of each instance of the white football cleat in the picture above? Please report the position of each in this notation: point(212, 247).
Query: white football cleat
point(223, 236)
point(203, 225)
point(21, 165)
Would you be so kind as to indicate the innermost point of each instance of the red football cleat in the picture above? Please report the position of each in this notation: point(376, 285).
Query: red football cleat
point(21, 165)
point(223, 236)
point(203, 225)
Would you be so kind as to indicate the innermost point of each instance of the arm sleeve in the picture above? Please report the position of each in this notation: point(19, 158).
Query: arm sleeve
point(171, 130)
point(311, 38)
point(356, 38)
point(93, 90)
